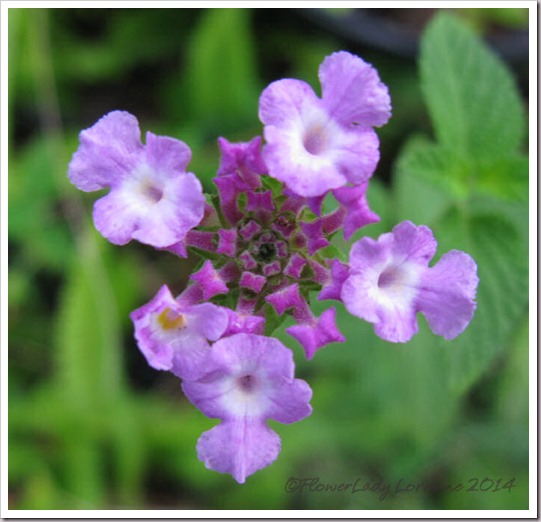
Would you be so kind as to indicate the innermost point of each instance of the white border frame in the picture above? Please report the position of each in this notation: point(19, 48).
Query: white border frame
point(533, 263)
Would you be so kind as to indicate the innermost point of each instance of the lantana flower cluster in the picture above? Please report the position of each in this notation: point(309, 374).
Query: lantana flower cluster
point(266, 247)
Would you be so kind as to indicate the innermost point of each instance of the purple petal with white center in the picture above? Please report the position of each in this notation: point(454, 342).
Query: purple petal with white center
point(173, 337)
point(245, 372)
point(391, 310)
point(390, 282)
point(293, 121)
point(251, 380)
point(305, 174)
point(152, 198)
point(180, 210)
point(367, 252)
point(395, 324)
point(209, 280)
point(249, 376)
point(447, 294)
point(315, 145)
point(109, 150)
point(384, 278)
point(358, 213)
point(126, 213)
point(352, 91)
point(315, 155)
point(315, 335)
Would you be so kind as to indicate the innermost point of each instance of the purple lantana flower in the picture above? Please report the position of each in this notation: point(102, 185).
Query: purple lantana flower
point(152, 198)
point(251, 379)
point(175, 337)
point(318, 144)
point(266, 245)
point(389, 281)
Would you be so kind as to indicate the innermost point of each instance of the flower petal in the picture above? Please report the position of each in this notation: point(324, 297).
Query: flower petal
point(220, 393)
point(382, 286)
point(116, 216)
point(173, 337)
point(352, 91)
point(168, 156)
point(152, 198)
point(108, 151)
point(208, 320)
point(239, 447)
point(412, 243)
point(447, 294)
point(283, 100)
point(291, 403)
point(358, 213)
point(159, 218)
point(180, 210)
point(304, 173)
point(317, 333)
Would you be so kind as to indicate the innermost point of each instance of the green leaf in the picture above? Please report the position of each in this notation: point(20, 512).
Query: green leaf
point(470, 187)
point(445, 177)
point(501, 254)
point(333, 252)
point(504, 177)
point(90, 376)
point(35, 217)
point(424, 184)
point(221, 80)
point(275, 186)
point(272, 320)
point(471, 96)
point(495, 234)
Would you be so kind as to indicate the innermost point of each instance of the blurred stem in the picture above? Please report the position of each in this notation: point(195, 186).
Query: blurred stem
point(89, 264)
point(49, 115)
point(72, 207)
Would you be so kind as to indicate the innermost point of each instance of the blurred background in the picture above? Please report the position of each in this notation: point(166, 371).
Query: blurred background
point(91, 426)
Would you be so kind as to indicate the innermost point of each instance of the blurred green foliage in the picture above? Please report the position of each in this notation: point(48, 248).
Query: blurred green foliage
point(91, 427)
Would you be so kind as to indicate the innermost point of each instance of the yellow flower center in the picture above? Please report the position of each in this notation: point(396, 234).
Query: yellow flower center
point(170, 320)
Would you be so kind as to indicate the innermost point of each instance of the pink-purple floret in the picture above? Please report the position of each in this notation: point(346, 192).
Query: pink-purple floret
point(266, 240)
